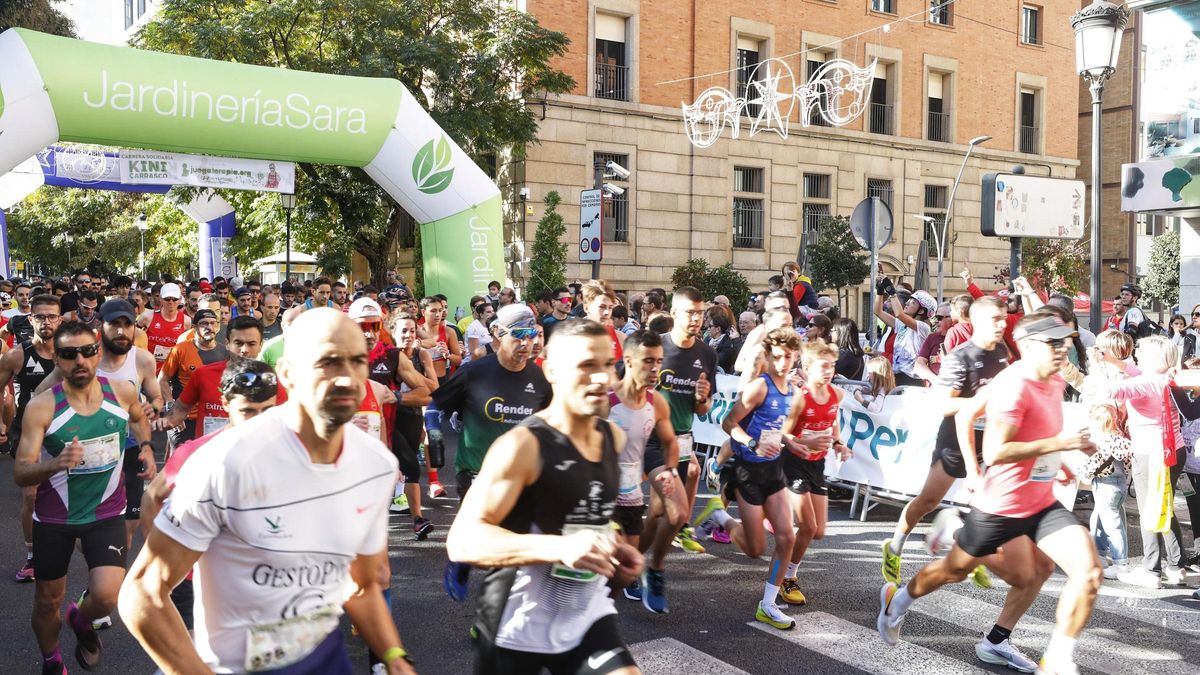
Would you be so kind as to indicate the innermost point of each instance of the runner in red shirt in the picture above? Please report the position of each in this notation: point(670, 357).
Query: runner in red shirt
point(164, 327)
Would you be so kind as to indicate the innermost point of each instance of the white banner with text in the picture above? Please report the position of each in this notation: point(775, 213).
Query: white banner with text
point(151, 167)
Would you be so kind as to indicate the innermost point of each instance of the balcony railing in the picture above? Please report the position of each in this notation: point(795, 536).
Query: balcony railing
point(612, 82)
point(881, 118)
point(939, 127)
point(1029, 140)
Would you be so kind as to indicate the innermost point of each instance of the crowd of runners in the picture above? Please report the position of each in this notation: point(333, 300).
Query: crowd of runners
point(251, 443)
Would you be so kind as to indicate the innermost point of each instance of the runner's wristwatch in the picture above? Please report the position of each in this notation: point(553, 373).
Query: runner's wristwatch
point(753, 444)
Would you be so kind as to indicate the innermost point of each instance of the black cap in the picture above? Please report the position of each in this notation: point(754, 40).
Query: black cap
point(202, 314)
point(243, 291)
point(115, 309)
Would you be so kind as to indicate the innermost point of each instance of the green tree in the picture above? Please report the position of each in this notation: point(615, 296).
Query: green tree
point(39, 15)
point(714, 281)
point(472, 65)
point(1162, 281)
point(836, 260)
point(548, 261)
point(1054, 265)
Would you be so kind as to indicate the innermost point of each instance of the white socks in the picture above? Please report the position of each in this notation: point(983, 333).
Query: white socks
point(898, 539)
point(769, 594)
point(901, 601)
point(722, 517)
point(792, 570)
point(1060, 650)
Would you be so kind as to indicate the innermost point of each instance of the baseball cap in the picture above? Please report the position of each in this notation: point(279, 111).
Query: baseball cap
point(243, 291)
point(206, 287)
point(365, 308)
point(202, 314)
point(115, 309)
point(170, 291)
point(517, 315)
point(1043, 328)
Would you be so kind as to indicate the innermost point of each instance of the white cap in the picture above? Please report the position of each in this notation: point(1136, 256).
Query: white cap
point(365, 308)
point(170, 291)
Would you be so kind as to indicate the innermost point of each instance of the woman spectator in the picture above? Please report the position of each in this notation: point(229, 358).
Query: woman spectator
point(909, 320)
point(1190, 336)
point(819, 328)
point(1177, 329)
point(719, 337)
point(880, 383)
point(850, 362)
point(1189, 409)
point(1154, 429)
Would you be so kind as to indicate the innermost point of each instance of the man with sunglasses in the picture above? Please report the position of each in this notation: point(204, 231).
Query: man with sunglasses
point(560, 310)
point(491, 395)
point(929, 356)
point(72, 442)
point(85, 310)
point(26, 365)
point(166, 324)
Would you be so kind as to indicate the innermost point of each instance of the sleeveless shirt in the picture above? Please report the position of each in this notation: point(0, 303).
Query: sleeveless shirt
point(32, 372)
point(161, 336)
point(817, 419)
point(768, 416)
point(638, 425)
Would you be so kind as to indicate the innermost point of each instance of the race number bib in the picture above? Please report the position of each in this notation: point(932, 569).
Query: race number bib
point(770, 438)
point(276, 645)
point(214, 424)
point(631, 480)
point(560, 571)
point(370, 422)
point(685, 447)
point(99, 454)
point(161, 352)
point(1046, 467)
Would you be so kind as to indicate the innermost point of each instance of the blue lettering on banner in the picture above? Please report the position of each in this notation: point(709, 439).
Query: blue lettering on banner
point(862, 428)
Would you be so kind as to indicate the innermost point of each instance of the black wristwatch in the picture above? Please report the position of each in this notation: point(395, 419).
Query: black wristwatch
point(753, 444)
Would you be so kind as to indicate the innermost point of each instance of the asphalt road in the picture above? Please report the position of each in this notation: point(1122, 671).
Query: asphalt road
point(710, 628)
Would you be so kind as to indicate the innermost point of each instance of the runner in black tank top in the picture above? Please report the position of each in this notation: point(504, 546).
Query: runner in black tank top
point(547, 606)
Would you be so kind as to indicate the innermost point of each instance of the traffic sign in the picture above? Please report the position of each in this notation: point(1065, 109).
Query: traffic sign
point(1038, 207)
point(591, 217)
point(860, 222)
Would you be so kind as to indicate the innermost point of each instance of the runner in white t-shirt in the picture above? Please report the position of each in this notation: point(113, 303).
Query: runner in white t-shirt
point(284, 517)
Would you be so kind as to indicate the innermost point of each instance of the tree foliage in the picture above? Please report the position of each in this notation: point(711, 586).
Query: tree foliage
point(714, 281)
point(836, 260)
point(471, 65)
point(1053, 265)
point(1162, 281)
point(548, 261)
point(39, 15)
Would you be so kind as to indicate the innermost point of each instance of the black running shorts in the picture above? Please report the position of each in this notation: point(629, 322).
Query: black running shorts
point(805, 475)
point(752, 481)
point(952, 460)
point(983, 534)
point(601, 651)
point(102, 543)
point(629, 518)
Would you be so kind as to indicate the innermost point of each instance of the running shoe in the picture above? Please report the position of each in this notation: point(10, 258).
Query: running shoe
point(421, 528)
point(103, 623)
point(400, 505)
point(55, 667)
point(1057, 669)
point(25, 574)
point(712, 474)
point(1175, 577)
point(980, 577)
point(1004, 654)
point(88, 646)
point(1114, 571)
point(791, 594)
point(379, 669)
point(770, 614)
point(654, 590)
point(720, 536)
point(1140, 577)
point(686, 540)
point(634, 591)
point(436, 490)
point(891, 563)
point(454, 580)
point(710, 506)
point(888, 625)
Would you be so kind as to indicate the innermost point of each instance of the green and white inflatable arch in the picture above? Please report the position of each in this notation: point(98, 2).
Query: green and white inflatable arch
point(54, 88)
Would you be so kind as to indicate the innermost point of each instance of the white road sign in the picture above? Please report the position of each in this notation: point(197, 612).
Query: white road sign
point(1032, 206)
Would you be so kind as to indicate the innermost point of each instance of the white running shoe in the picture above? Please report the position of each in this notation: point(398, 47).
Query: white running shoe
point(1140, 577)
point(1004, 654)
point(1114, 571)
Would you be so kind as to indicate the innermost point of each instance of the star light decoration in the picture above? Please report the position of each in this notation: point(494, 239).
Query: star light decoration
point(838, 91)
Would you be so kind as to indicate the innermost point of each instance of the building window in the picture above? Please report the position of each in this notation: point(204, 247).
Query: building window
point(935, 208)
point(748, 207)
point(881, 118)
point(141, 8)
point(815, 60)
point(1031, 25)
point(612, 64)
point(882, 188)
point(128, 14)
point(749, 55)
point(616, 207)
point(1029, 140)
point(816, 201)
point(941, 12)
point(1196, 126)
point(939, 113)
point(885, 6)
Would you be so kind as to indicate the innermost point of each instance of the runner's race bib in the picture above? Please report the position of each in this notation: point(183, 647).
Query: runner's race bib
point(1046, 467)
point(214, 424)
point(560, 571)
point(769, 438)
point(283, 643)
point(99, 454)
point(685, 447)
point(631, 482)
point(370, 422)
point(161, 352)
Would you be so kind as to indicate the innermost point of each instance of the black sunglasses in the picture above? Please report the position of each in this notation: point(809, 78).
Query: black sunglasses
point(71, 353)
point(252, 380)
point(1195, 314)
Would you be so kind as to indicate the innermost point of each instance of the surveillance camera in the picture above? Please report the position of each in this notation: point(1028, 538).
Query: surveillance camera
point(613, 189)
point(524, 193)
point(620, 171)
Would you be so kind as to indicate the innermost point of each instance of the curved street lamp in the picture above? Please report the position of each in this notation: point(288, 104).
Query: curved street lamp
point(941, 238)
point(1098, 29)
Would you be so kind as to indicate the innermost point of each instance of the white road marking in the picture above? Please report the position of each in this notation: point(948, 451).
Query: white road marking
point(666, 656)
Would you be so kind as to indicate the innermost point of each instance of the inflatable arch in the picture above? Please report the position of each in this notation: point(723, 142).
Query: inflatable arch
point(54, 88)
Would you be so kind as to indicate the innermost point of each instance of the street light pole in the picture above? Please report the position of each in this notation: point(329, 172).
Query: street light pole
point(1098, 28)
point(941, 243)
point(288, 202)
point(142, 226)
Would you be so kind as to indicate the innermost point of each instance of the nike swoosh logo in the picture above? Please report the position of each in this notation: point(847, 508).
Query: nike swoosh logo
point(361, 509)
point(594, 662)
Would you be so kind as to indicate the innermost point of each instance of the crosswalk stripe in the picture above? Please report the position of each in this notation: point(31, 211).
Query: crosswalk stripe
point(860, 647)
point(666, 656)
point(1137, 605)
point(1094, 652)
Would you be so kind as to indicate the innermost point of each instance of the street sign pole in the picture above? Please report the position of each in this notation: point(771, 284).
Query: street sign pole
point(598, 165)
point(1014, 257)
point(871, 322)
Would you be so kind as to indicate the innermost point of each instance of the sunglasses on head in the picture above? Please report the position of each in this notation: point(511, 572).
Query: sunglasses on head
point(251, 380)
point(71, 353)
point(523, 333)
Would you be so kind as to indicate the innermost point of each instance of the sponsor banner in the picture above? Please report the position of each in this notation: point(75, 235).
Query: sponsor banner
point(141, 167)
point(892, 447)
point(464, 252)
